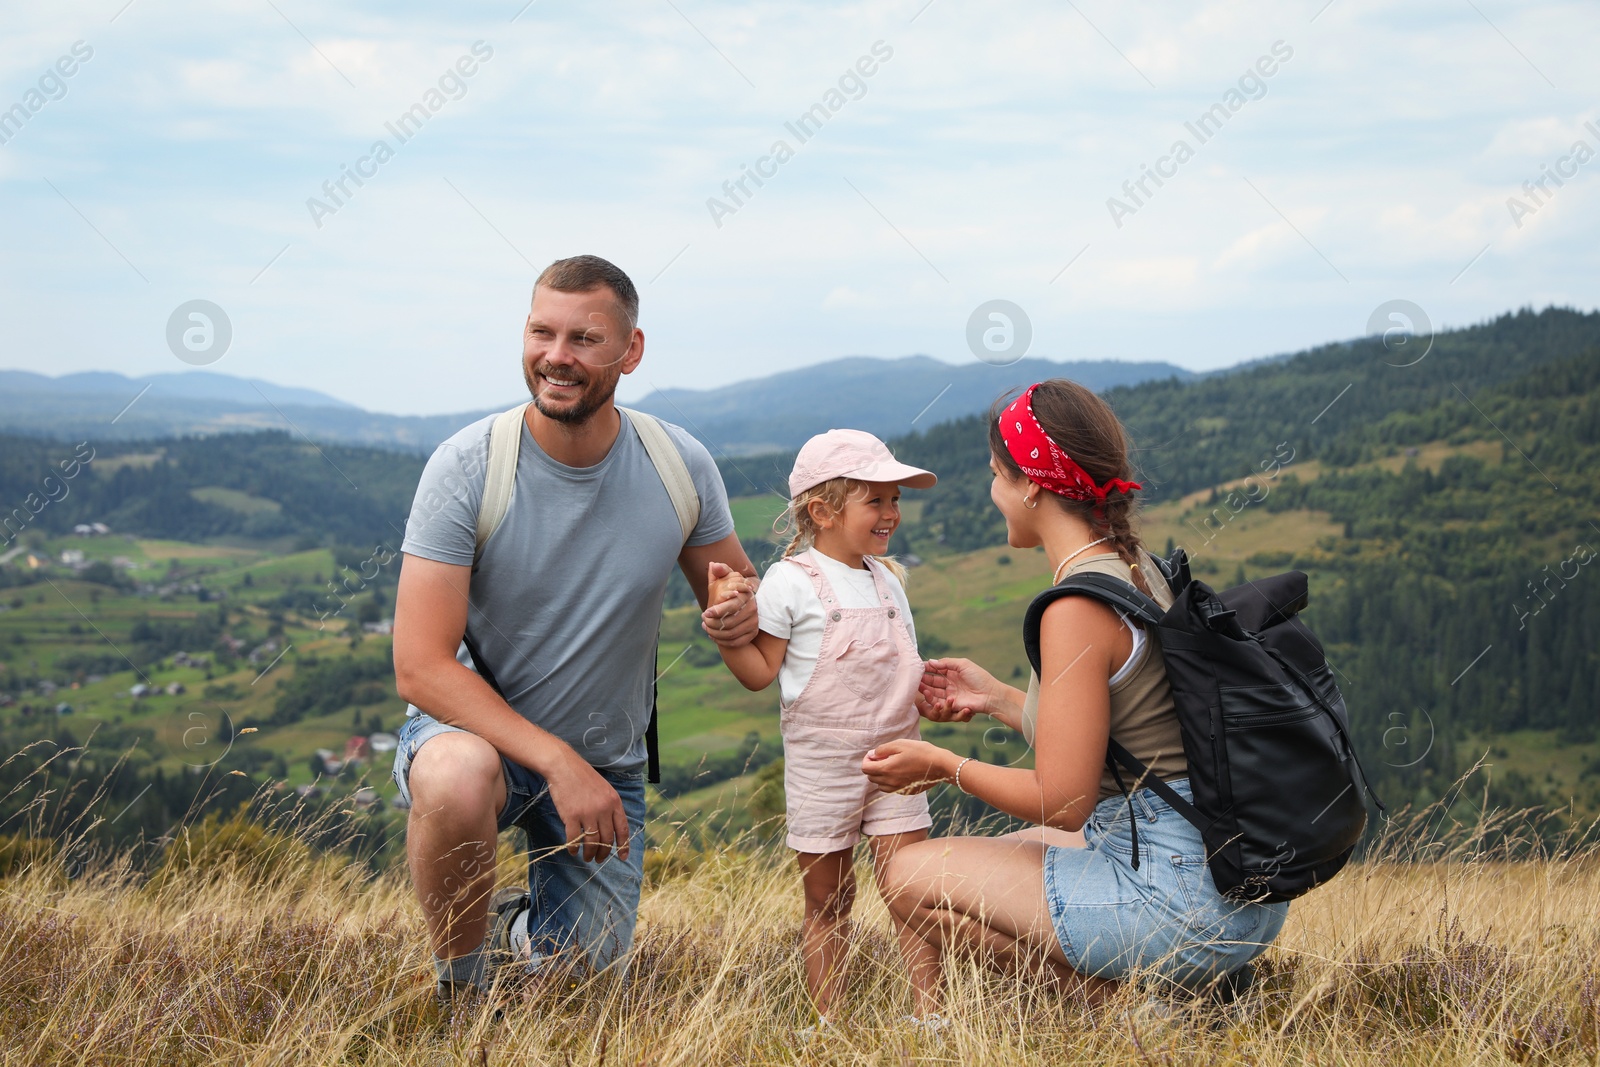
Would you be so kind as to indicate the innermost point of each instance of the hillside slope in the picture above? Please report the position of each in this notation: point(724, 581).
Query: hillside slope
point(1446, 511)
point(1448, 533)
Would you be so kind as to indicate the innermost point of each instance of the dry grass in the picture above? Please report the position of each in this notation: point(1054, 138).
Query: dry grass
point(246, 948)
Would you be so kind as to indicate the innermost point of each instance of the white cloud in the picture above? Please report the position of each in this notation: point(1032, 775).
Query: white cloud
point(843, 297)
point(1250, 248)
point(987, 146)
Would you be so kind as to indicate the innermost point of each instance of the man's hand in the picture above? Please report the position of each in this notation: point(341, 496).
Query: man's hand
point(730, 617)
point(590, 810)
point(729, 624)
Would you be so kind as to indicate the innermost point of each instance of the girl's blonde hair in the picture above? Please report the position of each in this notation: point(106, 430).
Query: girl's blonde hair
point(802, 528)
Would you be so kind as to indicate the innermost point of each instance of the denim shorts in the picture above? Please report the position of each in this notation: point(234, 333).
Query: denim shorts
point(1165, 919)
point(591, 906)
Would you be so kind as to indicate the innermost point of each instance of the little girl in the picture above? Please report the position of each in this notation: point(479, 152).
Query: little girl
point(836, 633)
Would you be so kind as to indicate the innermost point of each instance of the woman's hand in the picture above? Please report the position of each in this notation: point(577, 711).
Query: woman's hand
point(907, 765)
point(953, 690)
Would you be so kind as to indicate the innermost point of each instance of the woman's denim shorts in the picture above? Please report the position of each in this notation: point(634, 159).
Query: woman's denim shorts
point(1165, 919)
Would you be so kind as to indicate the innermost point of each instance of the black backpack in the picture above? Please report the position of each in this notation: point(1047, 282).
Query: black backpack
point(1278, 791)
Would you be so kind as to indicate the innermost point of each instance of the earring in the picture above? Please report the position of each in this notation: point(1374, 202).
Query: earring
point(1027, 505)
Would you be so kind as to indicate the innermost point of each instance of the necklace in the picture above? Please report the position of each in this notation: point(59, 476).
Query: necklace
point(1055, 578)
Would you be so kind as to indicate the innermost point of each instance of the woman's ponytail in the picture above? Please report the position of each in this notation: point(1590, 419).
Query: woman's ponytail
point(1119, 528)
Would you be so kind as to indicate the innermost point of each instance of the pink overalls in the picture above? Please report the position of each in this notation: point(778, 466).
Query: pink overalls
point(860, 694)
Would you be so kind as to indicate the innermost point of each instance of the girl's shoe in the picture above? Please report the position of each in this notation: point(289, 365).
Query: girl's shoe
point(807, 1034)
point(930, 1025)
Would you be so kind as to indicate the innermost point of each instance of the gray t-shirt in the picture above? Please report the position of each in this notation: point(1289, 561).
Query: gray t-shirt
point(566, 599)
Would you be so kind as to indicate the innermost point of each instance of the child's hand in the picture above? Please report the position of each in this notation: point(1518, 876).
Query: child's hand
point(729, 584)
point(728, 605)
point(906, 765)
point(953, 690)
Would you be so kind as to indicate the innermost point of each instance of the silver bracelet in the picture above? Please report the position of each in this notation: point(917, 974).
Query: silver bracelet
point(960, 765)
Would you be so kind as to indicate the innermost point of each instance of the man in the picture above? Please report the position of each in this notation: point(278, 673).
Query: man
point(562, 608)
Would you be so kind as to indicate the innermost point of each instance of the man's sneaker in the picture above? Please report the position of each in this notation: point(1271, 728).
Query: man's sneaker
point(450, 994)
point(462, 1001)
point(504, 907)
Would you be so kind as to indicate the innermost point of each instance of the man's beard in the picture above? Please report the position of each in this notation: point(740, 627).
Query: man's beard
point(589, 401)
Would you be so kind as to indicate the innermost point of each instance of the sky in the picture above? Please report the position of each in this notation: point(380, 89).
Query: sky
point(1356, 153)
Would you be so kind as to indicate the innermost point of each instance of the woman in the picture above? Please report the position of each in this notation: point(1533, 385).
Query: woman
point(1064, 899)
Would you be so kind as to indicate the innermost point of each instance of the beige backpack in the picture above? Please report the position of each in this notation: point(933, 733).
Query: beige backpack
point(505, 445)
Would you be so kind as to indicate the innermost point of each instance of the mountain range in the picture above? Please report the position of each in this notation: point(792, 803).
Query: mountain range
point(106, 406)
point(884, 396)
point(191, 385)
point(779, 411)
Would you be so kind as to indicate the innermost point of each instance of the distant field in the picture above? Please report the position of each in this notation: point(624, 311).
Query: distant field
point(183, 550)
point(1215, 536)
point(109, 465)
point(969, 604)
point(1566, 772)
point(234, 500)
point(1427, 456)
point(753, 516)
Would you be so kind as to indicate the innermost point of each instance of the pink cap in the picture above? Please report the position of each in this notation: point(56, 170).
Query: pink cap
point(852, 454)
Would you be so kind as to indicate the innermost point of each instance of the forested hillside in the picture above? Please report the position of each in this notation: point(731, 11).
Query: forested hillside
point(1459, 601)
point(1446, 511)
point(1464, 492)
point(265, 486)
point(1193, 435)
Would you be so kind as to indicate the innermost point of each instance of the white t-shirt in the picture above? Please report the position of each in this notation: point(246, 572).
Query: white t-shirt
point(789, 608)
point(1136, 656)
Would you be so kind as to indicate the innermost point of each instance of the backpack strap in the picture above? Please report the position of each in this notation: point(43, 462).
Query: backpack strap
point(674, 474)
point(1143, 779)
point(1175, 568)
point(670, 466)
point(505, 448)
point(1126, 598)
point(1102, 587)
point(505, 445)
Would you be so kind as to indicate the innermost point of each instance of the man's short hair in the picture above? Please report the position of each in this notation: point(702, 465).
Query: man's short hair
point(581, 274)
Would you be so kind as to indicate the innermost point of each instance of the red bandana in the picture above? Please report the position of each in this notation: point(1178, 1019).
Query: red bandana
point(1044, 462)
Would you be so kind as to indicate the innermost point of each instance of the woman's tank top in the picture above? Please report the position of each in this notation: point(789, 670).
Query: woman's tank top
point(1142, 716)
